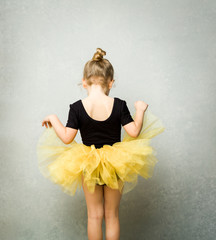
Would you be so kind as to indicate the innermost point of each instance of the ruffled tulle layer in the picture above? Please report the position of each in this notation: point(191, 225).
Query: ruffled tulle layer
point(117, 166)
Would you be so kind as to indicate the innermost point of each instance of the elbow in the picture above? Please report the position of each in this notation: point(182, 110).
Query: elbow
point(132, 129)
point(67, 140)
point(69, 136)
point(136, 131)
point(134, 134)
point(64, 140)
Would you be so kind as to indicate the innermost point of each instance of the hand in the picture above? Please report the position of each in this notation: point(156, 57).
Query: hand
point(141, 105)
point(47, 122)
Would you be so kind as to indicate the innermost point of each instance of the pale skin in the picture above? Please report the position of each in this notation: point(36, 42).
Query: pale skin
point(104, 202)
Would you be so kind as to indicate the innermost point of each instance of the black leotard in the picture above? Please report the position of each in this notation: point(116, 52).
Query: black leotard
point(98, 132)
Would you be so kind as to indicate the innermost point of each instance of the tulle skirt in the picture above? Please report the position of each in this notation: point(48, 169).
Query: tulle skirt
point(117, 166)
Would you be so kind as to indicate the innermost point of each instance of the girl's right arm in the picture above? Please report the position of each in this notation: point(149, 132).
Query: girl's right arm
point(134, 128)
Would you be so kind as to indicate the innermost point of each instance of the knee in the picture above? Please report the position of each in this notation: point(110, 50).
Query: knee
point(111, 213)
point(97, 213)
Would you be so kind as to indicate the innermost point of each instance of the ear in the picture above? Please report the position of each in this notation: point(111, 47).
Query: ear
point(84, 83)
point(111, 83)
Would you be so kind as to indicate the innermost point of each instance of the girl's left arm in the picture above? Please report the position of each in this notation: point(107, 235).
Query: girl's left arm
point(66, 134)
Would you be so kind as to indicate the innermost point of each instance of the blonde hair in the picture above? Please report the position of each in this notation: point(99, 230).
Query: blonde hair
point(98, 70)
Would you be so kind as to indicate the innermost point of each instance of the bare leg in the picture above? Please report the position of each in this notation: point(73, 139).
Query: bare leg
point(112, 199)
point(95, 209)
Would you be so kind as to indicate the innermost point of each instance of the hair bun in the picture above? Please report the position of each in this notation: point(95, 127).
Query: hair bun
point(99, 54)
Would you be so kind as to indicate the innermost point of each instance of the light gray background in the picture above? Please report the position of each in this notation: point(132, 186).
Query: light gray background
point(163, 53)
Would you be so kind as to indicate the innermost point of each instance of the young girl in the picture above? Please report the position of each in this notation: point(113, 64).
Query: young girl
point(105, 166)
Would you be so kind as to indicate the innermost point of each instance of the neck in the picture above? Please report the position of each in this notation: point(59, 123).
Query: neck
point(95, 91)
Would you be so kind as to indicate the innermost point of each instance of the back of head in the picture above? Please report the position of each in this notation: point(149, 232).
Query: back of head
point(98, 70)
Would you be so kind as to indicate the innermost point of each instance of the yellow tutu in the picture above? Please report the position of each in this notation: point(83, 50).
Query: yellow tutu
point(117, 166)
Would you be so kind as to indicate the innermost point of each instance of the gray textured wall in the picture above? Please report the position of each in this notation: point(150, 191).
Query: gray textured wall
point(163, 52)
